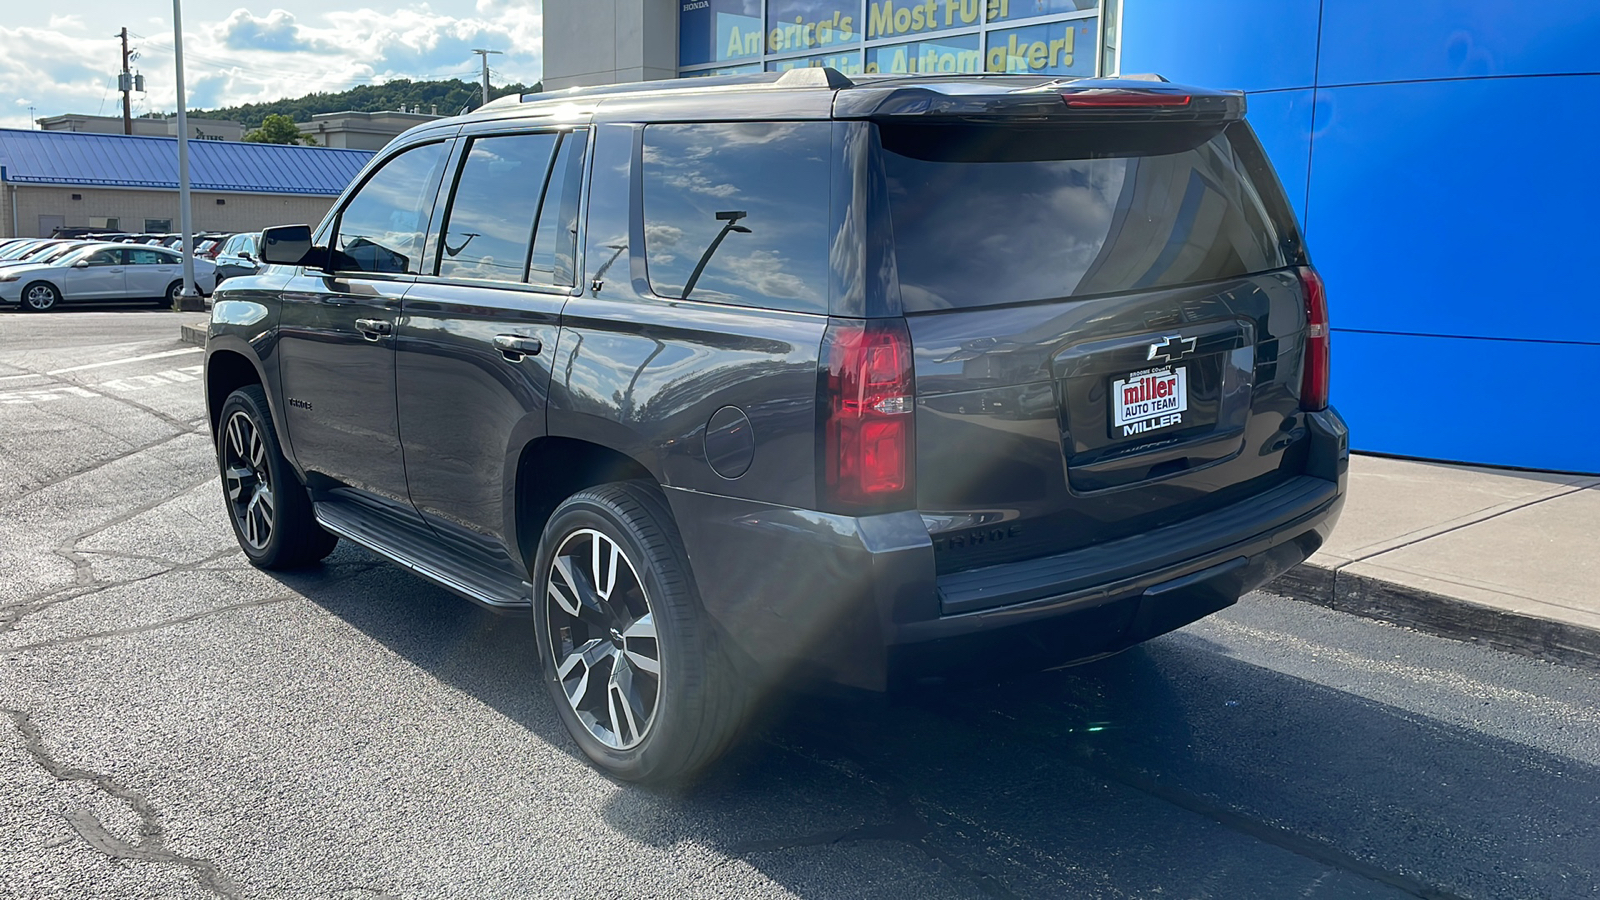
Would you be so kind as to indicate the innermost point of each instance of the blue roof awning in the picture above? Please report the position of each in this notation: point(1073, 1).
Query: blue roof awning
point(116, 160)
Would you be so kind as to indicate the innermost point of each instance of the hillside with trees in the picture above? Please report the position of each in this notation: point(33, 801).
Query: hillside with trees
point(447, 97)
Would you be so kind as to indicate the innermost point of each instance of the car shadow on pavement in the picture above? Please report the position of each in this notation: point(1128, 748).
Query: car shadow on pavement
point(1172, 770)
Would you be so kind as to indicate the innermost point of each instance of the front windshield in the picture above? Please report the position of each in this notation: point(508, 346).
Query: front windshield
point(16, 250)
point(72, 256)
point(58, 253)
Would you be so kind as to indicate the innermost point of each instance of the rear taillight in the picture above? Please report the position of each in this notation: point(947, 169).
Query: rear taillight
point(1314, 378)
point(866, 409)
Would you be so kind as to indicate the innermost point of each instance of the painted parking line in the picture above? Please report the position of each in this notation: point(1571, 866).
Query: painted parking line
point(45, 395)
point(184, 375)
point(155, 379)
point(130, 359)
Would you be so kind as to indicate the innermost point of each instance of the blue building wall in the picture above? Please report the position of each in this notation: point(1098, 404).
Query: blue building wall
point(1444, 159)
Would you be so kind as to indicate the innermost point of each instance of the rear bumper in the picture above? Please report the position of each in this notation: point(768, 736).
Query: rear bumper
point(856, 600)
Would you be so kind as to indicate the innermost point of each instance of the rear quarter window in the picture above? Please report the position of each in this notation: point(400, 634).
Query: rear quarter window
point(746, 204)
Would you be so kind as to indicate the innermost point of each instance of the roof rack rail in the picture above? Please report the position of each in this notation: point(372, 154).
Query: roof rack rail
point(815, 76)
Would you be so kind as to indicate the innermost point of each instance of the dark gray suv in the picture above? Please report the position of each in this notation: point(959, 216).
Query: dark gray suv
point(733, 380)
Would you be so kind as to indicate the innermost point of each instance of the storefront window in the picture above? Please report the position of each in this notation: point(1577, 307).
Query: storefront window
point(905, 18)
point(957, 53)
point(1011, 10)
point(1053, 48)
point(909, 37)
point(723, 70)
point(718, 31)
point(846, 61)
point(799, 25)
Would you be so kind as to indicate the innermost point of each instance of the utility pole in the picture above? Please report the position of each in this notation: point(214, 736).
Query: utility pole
point(485, 55)
point(125, 85)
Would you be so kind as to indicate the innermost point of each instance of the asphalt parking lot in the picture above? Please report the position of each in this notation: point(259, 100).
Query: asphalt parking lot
point(178, 724)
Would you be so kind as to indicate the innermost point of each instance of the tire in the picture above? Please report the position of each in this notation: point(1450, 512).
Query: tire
point(173, 290)
point(695, 703)
point(40, 296)
point(268, 506)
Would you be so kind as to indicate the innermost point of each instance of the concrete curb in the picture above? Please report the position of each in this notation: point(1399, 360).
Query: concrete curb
point(1451, 617)
point(192, 334)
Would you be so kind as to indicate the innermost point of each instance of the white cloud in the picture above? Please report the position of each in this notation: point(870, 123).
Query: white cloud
point(243, 55)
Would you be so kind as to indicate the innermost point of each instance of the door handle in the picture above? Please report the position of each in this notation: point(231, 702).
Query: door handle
point(515, 347)
point(372, 329)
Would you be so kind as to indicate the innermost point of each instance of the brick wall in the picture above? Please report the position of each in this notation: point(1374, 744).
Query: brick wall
point(238, 212)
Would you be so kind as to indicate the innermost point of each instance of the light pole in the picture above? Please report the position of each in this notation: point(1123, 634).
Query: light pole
point(188, 298)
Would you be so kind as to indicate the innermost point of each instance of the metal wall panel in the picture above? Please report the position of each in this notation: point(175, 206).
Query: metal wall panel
point(1494, 402)
point(1383, 40)
point(1249, 45)
point(1459, 207)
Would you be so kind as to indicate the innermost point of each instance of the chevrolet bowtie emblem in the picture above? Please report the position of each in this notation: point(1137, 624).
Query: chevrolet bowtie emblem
point(1172, 347)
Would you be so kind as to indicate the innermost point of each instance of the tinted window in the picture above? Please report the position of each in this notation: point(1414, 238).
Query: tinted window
point(491, 216)
point(984, 215)
point(105, 258)
point(380, 230)
point(142, 257)
point(556, 241)
point(749, 202)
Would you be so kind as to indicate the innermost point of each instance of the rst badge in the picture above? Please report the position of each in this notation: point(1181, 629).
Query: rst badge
point(1149, 400)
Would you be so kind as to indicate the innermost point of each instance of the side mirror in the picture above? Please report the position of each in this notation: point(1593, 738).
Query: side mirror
point(286, 245)
point(246, 254)
point(81, 264)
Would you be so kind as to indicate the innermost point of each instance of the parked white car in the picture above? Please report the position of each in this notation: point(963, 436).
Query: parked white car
point(102, 273)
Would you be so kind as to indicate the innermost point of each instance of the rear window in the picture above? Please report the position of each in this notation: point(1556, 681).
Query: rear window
point(986, 215)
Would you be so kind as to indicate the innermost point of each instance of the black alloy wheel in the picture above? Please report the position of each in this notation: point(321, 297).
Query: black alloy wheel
point(635, 669)
point(40, 296)
point(268, 506)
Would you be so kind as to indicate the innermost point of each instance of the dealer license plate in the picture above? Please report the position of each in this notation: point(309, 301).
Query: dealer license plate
point(1149, 400)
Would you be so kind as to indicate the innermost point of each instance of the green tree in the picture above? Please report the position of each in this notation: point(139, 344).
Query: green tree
point(444, 97)
point(278, 129)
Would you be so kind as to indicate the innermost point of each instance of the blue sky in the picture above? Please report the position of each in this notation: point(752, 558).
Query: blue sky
point(63, 58)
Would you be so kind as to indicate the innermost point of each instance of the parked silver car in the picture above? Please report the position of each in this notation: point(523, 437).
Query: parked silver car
point(101, 273)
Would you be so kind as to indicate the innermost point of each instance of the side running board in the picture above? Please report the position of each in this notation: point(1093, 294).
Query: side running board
point(499, 591)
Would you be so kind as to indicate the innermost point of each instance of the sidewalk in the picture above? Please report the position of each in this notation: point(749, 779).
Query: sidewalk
point(1506, 559)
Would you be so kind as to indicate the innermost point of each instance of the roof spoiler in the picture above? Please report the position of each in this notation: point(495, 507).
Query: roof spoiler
point(1148, 98)
point(815, 76)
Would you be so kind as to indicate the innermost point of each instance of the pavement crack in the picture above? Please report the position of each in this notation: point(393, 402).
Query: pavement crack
point(151, 846)
point(79, 473)
point(153, 626)
point(13, 614)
